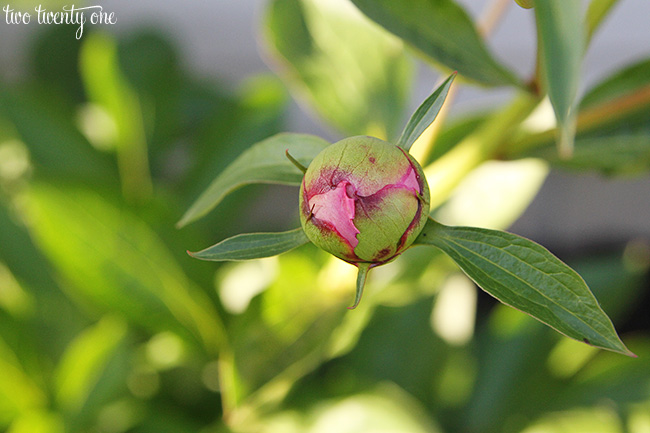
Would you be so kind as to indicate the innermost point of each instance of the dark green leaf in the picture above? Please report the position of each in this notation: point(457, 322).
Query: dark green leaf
point(622, 83)
point(253, 246)
point(354, 74)
point(526, 276)
point(264, 162)
point(442, 30)
point(560, 29)
point(424, 115)
point(620, 154)
point(56, 147)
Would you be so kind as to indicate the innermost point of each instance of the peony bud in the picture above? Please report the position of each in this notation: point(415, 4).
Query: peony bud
point(364, 200)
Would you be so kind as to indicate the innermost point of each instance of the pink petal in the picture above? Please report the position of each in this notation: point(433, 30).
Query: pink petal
point(337, 208)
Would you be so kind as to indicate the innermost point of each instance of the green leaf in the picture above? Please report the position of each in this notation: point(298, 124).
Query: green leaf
point(85, 359)
point(424, 115)
point(596, 13)
point(562, 42)
point(526, 276)
point(442, 30)
point(253, 246)
point(264, 162)
point(627, 81)
point(106, 87)
point(113, 260)
point(19, 392)
point(621, 154)
point(353, 73)
point(49, 134)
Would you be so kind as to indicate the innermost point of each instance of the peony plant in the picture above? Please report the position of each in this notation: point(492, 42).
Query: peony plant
point(366, 201)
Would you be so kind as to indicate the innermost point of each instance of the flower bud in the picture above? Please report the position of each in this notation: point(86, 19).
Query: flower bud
point(364, 200)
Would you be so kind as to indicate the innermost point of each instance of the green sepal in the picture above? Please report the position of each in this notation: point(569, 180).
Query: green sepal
point(253, 246)
point(364, 268)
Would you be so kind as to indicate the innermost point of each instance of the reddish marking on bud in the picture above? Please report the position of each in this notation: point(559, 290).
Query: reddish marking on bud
point(382, 254)
point(372, 159)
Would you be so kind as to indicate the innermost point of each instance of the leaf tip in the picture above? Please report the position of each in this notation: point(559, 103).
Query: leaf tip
point(295, 162)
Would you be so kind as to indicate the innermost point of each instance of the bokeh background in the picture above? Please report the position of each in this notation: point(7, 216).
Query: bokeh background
point(106, 324)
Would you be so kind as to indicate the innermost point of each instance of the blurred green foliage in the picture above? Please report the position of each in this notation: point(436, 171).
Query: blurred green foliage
point(106, 325)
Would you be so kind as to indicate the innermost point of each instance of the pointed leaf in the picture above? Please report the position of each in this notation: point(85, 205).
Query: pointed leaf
point(253, 246)
point(425, 115)
point(526, 276)
point(353, 73)
point(562, 39)
point(596, 13)
point(442, 30)
point(264, 162)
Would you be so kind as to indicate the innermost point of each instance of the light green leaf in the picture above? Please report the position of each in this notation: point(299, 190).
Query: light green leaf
point(264, 162)
point(424, 115)
point(562, 42)
point(596, 13)
point(442, 30)
point(253, 246)
point(526, 4)
point(353, 73)
point(526, 276)
point(108, 89)
point(84, 361)
point(113, 260)
point(19, 393)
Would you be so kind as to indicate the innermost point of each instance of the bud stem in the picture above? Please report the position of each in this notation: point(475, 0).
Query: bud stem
point(295, 162)
point(361, 281)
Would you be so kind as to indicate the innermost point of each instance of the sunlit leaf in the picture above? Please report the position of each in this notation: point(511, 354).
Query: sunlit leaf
point(354, 74)
point(264, 162)
point(84, 361)
point(494, 194)
point(596, 13)
point(442, 30)
point(19, 393)
point(560, 29)
point(526, 276)
point(253, 246)
point(424, 115)
point(114, 260)
point(385, 408)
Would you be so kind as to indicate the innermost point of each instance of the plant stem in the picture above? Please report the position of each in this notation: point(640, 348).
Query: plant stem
point(486, 24)
point(591, 118)
point(445, 173)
